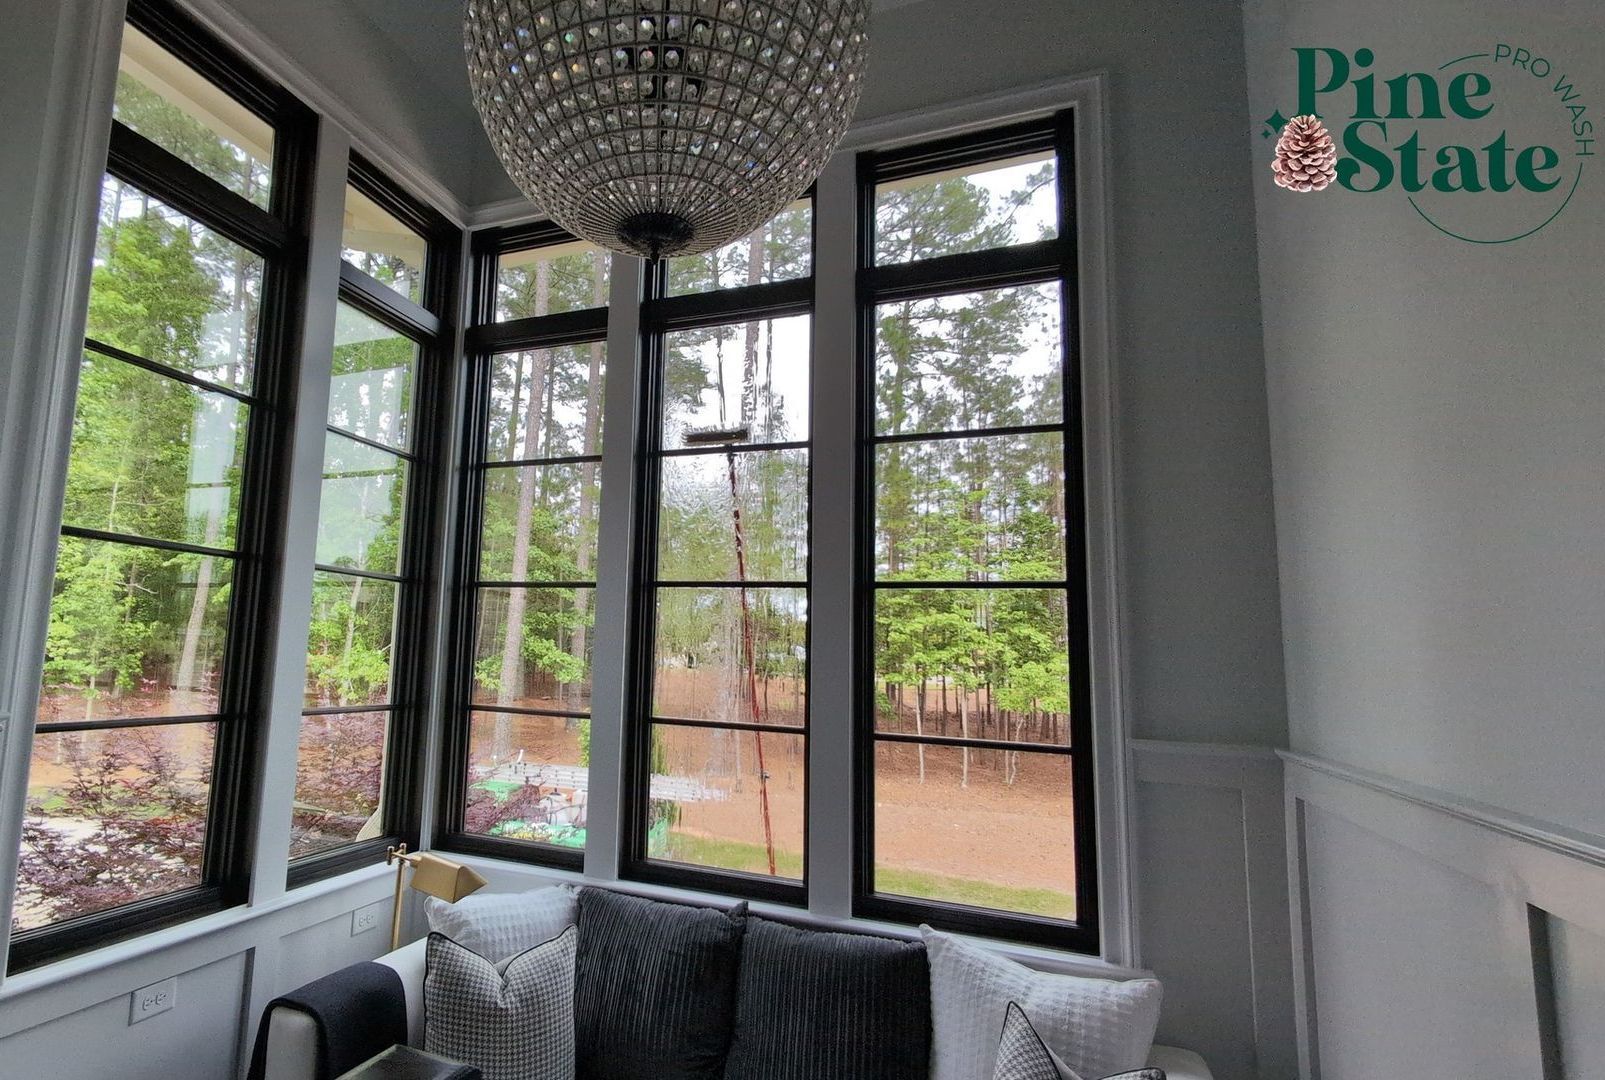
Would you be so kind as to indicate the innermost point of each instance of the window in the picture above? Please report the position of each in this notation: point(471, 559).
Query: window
point(367, 649)
point(154, 682)
point(975, 756)
point(719, 739)
point(529, 545)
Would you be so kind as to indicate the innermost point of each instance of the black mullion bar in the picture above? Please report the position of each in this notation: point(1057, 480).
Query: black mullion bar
point(977, 433)
point(337, 710)
point(975, 744)
point(731, 448)
point(728, 725)
point(535, 584)
point(49, 726)
point(571, 459)
point(405, 455)
point(523, 710)
point(897, 583)
point(957, 152)
point(114, 353)
point(539, 332)
point(30, 948)
point(968, 271)
point(145, 541)
point(515, 238)
point(771, 300)
point(373, 297)
point(137, 160)
point(498, 847)
point(370, 575)
point(727, 583)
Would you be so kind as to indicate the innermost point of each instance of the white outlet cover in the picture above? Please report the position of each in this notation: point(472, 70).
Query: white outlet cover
point(152, 1000)
point(368, 918)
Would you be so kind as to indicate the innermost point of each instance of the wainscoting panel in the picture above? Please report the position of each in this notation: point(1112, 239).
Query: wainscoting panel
point(1439, 938)
point(1212, 900)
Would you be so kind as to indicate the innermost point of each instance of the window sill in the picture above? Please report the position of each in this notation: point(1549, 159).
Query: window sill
point(122, 952)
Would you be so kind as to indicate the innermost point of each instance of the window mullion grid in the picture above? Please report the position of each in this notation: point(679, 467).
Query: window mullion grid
point(661, 317)
point(1037, 263)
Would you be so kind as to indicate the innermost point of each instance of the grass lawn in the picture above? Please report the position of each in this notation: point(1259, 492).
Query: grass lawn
point(733, 855)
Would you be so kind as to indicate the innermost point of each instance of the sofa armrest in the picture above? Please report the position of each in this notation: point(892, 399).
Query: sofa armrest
point(408, 962)
point(1179, 1064)
point(291, 1051)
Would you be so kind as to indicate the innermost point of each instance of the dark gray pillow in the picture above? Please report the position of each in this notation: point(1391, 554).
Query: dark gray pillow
point(513, 1020)
point(654, 989)
point(812, 1005)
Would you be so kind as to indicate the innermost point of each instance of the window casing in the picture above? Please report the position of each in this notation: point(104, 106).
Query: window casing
point(368, 680)
point(224, 560)
point(986, 602)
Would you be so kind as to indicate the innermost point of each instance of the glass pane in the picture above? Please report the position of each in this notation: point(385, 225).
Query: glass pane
point(532, 648)
point(697, 517)
point(154, 457)
point(113, 816)
point(134, 632)
point(741, 382)
point(969, 361)
point(1014, 201)
point(527, 777)
point(364, 498)
point(338, 770)
point(1004, 819)
point(546, 403)
point(973, 663)
point(379, 245)
point(173, 291)
point(166, 101)
point(551, 280)
point(704, 670)
point(986, 509)
point(370, 393)
point(780, 250)
point(728, 799)
point(348, 648)
point(540, 523)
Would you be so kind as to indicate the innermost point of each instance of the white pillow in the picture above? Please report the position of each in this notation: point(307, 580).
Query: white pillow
point(1098, 1026)
point(499, 925)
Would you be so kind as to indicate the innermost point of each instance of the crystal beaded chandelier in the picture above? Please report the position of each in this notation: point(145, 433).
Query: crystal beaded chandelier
point(664, 127)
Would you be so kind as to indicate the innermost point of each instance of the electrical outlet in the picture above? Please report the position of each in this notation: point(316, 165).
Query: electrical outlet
point(366, 918)
point(152, 1000)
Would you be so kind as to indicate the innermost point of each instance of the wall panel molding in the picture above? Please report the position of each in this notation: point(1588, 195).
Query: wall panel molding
point(1531, 874)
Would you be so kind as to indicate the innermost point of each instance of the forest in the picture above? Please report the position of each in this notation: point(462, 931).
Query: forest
point(138, 631)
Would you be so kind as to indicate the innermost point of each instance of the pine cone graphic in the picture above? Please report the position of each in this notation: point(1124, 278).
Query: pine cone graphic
point(1306, 158)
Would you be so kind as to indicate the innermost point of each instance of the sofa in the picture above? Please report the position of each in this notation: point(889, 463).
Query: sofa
point(288, 1039)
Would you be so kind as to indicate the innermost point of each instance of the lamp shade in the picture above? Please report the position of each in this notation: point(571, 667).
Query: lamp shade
point(448, 880)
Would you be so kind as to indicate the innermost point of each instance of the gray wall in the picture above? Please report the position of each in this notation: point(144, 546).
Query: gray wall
point(1439, 459)
point(1439, 448)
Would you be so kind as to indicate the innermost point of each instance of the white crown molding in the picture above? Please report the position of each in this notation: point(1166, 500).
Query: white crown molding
point(220, 17)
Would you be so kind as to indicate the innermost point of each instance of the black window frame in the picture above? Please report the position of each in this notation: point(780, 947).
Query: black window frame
point(431, 325)
point(278, 235)
point(1032, 263)
point(485, 339)
point(662, 314)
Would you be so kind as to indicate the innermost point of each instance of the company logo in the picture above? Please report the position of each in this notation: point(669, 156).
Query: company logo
point(1488, 148)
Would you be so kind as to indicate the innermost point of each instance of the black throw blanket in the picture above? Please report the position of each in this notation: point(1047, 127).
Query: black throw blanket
point(359, 1011)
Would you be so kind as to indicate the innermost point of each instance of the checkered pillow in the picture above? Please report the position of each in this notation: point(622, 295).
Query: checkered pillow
point(513, 1020)
point(1022, 1055)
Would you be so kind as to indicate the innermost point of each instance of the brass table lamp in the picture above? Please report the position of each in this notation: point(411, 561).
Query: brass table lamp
point(431, 875)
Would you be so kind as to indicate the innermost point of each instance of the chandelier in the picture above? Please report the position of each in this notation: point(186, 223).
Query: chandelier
point(664, 127)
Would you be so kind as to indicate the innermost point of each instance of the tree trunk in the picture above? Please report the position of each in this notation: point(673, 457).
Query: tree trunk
point(919, 726)
point(964, 731)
